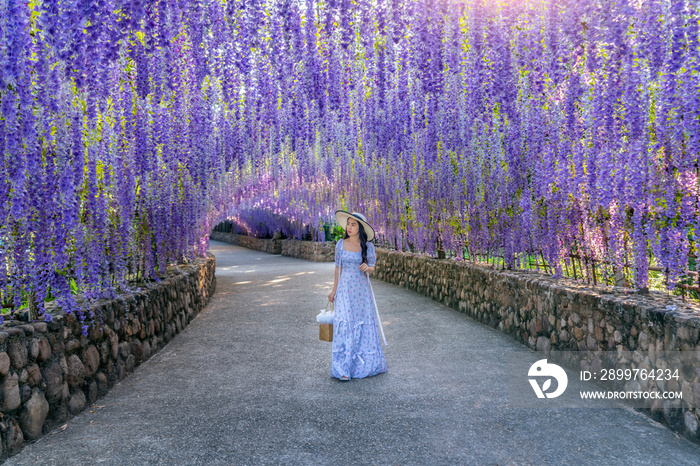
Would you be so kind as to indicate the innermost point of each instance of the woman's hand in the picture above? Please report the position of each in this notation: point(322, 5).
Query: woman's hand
point(331, 296)
point(366, 268)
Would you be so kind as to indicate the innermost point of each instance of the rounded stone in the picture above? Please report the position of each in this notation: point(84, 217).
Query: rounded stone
point(40, 327)
point(33, 415)
point(64, 364)
point(130, 363)
point(92, 391)
point(18, 354)
point(146, 350)
point(91, 360)
point(44, 350)
point(111, 372)
point(618, 336)
point(57, 345)
point(10, 391)
point(72, 345)
point(77, 402)
point(592, 343)
point(96, 332)
point(34, 375)
point(120, 369)
point(4, 363)
point(137, 350)
point(59, 413)
point(13, 437)
point(53, 377)
point(76, 371)
point(104, 351)
point(114, 340)
point(564, 336)
point(124, 349)
point(34, 348)
point(102, 383)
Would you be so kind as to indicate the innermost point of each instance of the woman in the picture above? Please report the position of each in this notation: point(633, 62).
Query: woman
point(356, 350)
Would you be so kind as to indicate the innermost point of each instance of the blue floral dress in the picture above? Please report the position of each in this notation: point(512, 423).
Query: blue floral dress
point(357, 351)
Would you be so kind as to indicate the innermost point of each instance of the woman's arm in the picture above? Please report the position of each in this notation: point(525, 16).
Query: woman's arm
point(371, 259)
point(337, 274)
point(331, 295)
point(338, 269)
point(366, 268)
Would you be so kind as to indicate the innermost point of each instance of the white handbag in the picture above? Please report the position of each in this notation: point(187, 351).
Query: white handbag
point(326, 316)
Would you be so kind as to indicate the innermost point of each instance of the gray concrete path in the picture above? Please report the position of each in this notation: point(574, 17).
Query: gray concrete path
point(248, 382)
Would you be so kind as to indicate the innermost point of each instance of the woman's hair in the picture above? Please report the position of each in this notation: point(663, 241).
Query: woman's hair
point(363, 240)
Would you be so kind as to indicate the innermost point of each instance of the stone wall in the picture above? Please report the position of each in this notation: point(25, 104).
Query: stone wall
point(272, 246)
point(547, 314)
point(50, 371)
point(308, 250)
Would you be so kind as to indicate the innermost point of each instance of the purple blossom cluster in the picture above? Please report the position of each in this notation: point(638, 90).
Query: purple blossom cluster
point(112, 147)
point(551, 129)
point(541, 129)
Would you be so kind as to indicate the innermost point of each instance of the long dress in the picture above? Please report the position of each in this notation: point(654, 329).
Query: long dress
point(356, 349)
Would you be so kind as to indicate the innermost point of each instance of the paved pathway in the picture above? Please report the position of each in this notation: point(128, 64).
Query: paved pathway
point(248, 382)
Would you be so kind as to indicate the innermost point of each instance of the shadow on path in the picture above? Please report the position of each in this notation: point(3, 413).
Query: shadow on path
point(248, 382)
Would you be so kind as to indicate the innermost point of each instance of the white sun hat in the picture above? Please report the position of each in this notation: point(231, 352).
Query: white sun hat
point(342, 216)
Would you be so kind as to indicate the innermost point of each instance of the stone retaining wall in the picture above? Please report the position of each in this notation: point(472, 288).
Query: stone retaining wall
point(50, 371)
point(272, 246)
point(548, 314)
point(308, 250)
